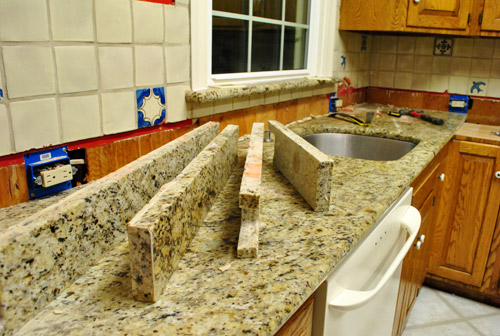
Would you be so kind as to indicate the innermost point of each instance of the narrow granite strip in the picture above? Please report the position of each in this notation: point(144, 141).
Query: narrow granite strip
point(237, 91)
point(252, 175)
point(306, 167)
point(47, 251)
point(249, 199)
point(160, 233)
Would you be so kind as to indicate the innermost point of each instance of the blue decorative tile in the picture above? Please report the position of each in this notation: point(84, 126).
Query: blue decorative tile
point(1, 94)
point(150, 107)
point(476, 87)
point(342, 63)
point(364, 42)
point(443, 46)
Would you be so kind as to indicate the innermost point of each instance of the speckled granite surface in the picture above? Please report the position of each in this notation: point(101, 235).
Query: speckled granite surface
point(214, 293)
point(251, 182)
point(236, 91)
point(307, 168)
point(43, 253)
point(160, 233)
point(252, 174)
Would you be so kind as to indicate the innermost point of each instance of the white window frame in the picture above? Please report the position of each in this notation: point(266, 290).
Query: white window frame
point(322, 26)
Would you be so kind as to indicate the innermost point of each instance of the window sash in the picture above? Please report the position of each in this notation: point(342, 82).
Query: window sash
point(319, 58)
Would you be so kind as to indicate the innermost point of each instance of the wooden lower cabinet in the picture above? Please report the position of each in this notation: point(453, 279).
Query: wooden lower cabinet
point(426, 197)
point(300, 324)
point(465, 255)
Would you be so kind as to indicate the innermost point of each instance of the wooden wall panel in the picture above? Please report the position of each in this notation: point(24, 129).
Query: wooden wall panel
point(104, 159)
point(483, 111)
point(14, 187)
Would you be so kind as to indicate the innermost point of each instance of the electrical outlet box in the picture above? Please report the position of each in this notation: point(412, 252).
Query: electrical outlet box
point(56, 175)
point(458, 104)
point(48, 171)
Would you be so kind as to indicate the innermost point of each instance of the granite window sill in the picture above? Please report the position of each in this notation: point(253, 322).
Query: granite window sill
point(224, 92)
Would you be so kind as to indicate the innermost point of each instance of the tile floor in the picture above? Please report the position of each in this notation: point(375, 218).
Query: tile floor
point(440, 313)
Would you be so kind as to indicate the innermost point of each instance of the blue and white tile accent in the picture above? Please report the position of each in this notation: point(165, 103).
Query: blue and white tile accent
point(443, 46)
point(1, 94)
point(150, 107)
point(477, 87)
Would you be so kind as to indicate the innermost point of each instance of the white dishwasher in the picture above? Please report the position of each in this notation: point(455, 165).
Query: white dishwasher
point(359, 297)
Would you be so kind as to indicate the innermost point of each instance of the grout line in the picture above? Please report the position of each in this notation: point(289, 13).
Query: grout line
point(56, 75)
point(98, 68)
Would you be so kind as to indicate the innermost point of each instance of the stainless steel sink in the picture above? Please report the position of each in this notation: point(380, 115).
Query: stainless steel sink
point(360, 146)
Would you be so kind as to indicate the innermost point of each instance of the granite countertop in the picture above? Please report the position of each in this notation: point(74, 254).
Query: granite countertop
point(214, 293)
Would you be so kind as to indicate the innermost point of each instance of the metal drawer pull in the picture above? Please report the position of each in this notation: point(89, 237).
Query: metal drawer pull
point(497, 174)
point(441, 177)
point(416, 1)
point(350, 299)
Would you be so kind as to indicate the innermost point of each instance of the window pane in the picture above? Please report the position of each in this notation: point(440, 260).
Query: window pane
point(229, 45)
point(270, 9)
point(265, 47)
point(297, 11)
point(294, 56)
point(232, 6)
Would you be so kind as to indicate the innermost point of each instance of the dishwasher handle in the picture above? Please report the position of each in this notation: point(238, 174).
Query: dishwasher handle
point(351, 299)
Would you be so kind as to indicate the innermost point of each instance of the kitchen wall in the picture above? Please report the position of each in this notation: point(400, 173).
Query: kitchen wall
point(79, 69)
point(460, 65)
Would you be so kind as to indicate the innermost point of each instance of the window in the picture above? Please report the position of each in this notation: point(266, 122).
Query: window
point(247, 41)
point(259, 35)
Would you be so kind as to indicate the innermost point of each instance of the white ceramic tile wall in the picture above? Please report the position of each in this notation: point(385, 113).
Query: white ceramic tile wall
point(149, 68)
point(118, 112)
point(73, 66)
point(113, 21)
point(116, 67)
point(24, 20)
point(408, 62)
point(76, 68)
point(72, 20)
point(177, 61)
point(5, 141)
point(148, 22)
point(35, 123)
point(80, 117)
point(176, 109)
point(29, 71)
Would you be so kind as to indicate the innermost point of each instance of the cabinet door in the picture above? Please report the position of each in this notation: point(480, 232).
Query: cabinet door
point(471, 201)
point(491, 15)
point(445, 14)
point(426, 189)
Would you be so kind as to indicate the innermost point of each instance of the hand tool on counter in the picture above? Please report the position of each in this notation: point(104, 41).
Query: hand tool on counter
point(417, 114)
point(353, 119)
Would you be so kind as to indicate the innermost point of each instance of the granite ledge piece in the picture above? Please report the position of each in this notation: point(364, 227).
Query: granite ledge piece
point(252, 174)
point(236, 91)
point(160, 233)
point(306, 167)
point(249, 197)
point(46, 252)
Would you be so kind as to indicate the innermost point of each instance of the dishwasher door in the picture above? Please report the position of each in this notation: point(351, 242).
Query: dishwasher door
point(359, 297)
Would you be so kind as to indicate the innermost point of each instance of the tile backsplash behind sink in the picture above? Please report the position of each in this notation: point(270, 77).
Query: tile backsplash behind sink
point(73, 69)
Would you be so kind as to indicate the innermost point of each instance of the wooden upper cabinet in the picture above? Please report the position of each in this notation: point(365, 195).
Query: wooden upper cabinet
point(491, 15)
point(447, 14)
point(464, 233)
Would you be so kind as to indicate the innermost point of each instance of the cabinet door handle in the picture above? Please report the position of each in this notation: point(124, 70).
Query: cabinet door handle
point(418, 244)
point(497, 174)
point(421, 238)
point(441, 177)
point(416, 1)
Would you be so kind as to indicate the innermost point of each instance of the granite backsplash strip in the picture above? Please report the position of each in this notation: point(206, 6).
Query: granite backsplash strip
point(45, 252)
point(160, 233)
point(307, 168)
point(212, 292)
point(237, 91)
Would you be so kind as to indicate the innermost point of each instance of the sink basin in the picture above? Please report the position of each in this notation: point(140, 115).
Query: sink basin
point(360, 146)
